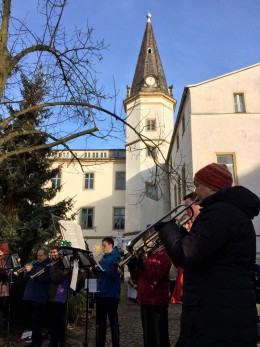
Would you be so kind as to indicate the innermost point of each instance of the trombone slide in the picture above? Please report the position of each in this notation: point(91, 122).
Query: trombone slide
point(131, 245)
point(40, 272)
point(22, 269)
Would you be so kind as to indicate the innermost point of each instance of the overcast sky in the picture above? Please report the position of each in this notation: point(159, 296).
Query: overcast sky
point(197, 39)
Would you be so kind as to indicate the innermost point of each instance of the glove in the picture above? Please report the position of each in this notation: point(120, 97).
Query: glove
point(47, 269)
point(168, 228)
point(136, 263)
point(160, 225)
point(183, 230)
point(96, 270)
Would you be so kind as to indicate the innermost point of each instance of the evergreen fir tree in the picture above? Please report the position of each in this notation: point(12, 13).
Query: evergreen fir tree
point(25, 190)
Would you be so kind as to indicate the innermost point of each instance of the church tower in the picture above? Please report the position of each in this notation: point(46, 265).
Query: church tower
point(149, 107)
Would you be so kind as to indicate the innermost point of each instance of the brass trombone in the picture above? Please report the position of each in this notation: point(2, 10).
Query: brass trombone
point(38, 273)
point(152, 240)
point(22, 269)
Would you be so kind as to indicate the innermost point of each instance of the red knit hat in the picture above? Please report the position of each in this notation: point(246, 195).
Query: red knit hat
point(214, 176)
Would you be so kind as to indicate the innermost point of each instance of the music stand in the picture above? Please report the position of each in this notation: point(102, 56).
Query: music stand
point(10, 262)
point(85, 261)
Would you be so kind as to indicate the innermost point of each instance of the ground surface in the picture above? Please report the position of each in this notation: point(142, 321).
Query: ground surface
point(130, 328)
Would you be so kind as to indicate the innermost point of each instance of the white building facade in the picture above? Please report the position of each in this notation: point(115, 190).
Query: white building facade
point(219, 121)
point(96, 182)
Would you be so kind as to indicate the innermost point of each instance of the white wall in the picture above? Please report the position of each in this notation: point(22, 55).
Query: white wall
point(140, 168)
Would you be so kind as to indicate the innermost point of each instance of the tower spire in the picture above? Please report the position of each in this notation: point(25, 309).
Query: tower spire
point(149, 65)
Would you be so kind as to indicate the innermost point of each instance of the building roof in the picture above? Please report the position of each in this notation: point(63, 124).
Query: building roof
point(149, 63)
point(222, 76)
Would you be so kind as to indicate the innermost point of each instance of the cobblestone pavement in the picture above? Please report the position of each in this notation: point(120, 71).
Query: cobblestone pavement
point(130, 328)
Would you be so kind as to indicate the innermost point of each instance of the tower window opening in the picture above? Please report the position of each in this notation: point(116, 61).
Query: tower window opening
point(149, 50)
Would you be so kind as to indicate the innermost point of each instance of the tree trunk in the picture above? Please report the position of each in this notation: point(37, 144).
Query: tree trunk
point(4, 53)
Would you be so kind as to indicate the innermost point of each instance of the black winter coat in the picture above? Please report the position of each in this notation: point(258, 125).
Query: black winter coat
point(218, 256)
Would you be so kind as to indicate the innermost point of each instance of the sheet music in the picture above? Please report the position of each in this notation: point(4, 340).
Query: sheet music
point(26, 334)
point(74, 277)
point(131, 292)
point(72, 232)
point(91, 285)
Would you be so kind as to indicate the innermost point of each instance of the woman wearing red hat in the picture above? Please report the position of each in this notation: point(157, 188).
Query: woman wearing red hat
point(218, 257)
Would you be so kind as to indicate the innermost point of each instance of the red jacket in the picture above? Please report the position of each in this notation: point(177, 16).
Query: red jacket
point(178, 288)
point(152, 278)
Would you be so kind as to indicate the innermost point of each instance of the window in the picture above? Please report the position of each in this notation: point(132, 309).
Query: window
point(87, 218)
point(228, 159)
point(151, 151)
point(89, 181)
point(120, 180)
point(56, 181)
point(239, 103)
point(119, 218)
point(150, 124)
point(116, 153)
point(149, 50)
point(151, 191)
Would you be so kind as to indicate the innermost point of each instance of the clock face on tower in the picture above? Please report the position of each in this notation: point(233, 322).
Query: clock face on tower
point(150, 80)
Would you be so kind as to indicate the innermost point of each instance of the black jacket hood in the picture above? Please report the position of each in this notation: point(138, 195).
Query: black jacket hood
point(239, 196)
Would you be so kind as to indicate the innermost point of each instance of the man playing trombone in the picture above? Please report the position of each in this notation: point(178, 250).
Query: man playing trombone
point(58, 296)
point(218, 257)
point(192, 213)
point(150, 272)
point(36, 292)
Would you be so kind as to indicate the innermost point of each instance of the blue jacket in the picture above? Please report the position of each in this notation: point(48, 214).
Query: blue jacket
point(37, 289)
point(108, 281)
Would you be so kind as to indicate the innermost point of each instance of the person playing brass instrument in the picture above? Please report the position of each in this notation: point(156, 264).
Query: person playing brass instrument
point(36, 293)
point(57, 302)
point(150, 272)
point(188, 199)
point(218, 257)
point(108, 295)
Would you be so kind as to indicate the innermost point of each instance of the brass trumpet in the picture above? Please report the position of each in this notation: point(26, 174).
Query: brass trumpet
point(38, 273)
point(152, 240)
point(22, 269)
